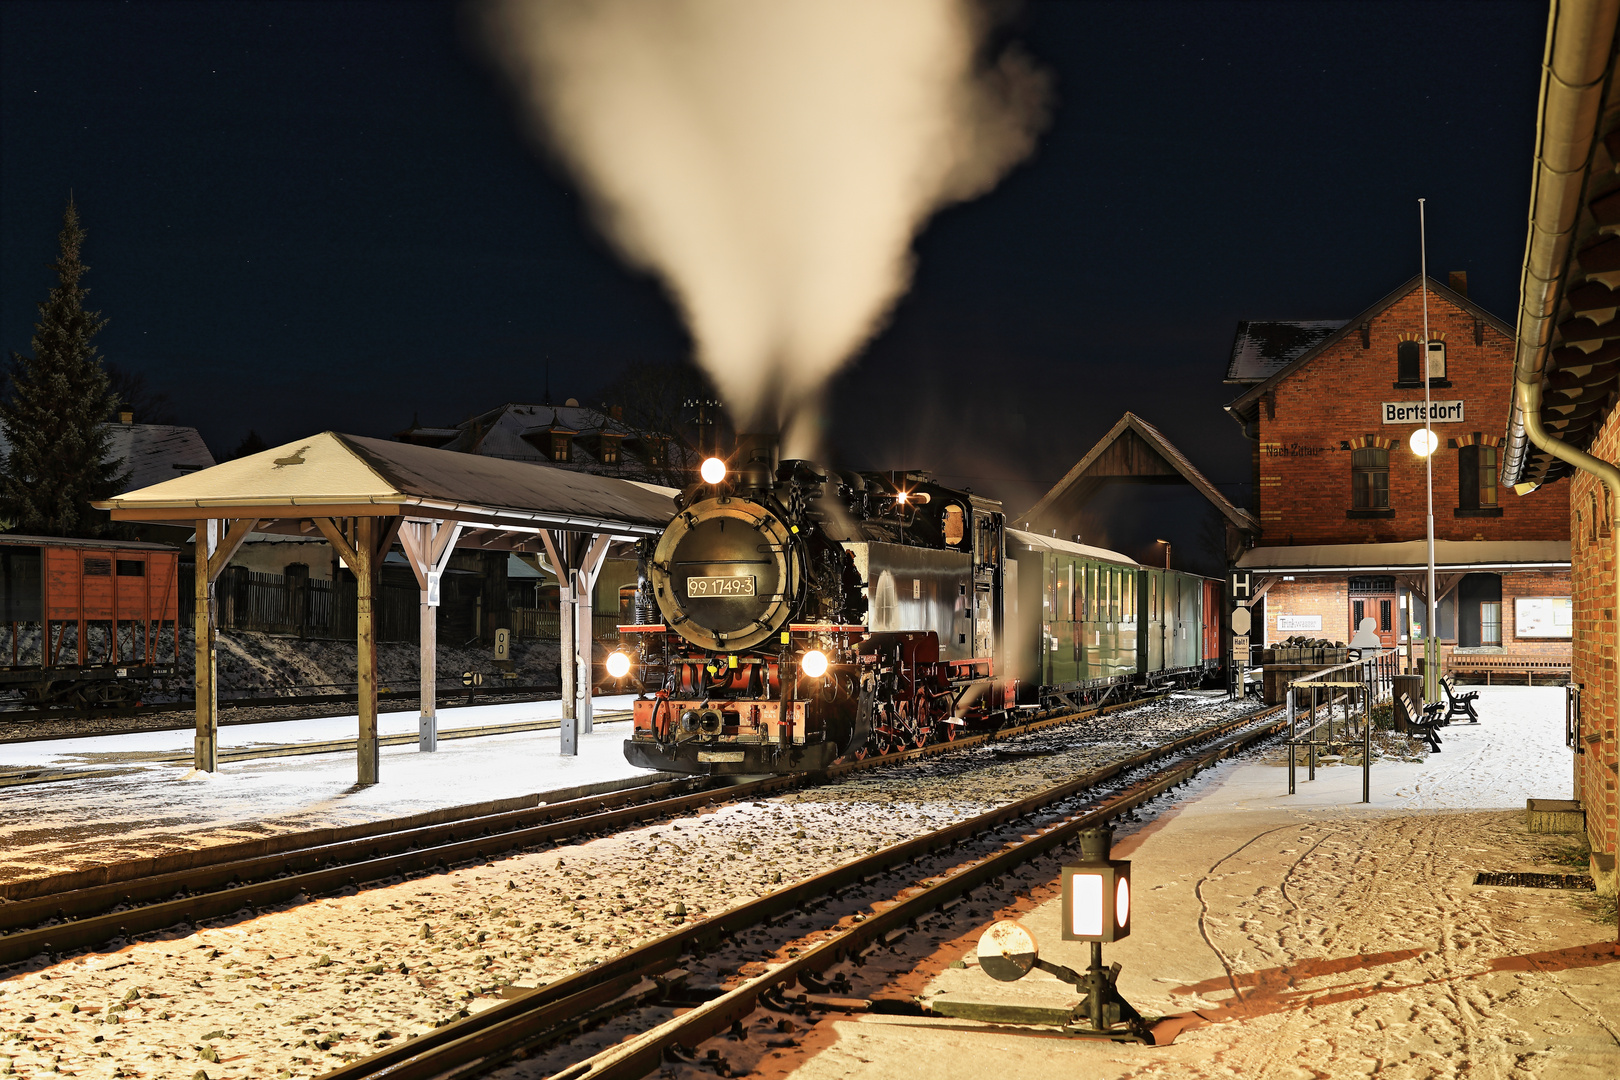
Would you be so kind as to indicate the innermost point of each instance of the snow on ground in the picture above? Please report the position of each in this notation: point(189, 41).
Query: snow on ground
point(1312, 935)
point(1237, 885)
point(161, 808)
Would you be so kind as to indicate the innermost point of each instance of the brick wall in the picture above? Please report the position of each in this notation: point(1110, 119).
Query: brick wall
point(1310, 596)
point(1592, 544)
point(1532, 584)
point(1317, 413)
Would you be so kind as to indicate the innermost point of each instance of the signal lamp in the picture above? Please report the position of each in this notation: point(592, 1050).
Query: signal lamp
point(1424, 442)
point(814, 663)
point(1096, 892)
point(713, 470)
point(618, 664)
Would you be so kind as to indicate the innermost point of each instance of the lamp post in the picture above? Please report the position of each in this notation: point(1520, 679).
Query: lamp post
point(1430, 442)
point(1166, 544)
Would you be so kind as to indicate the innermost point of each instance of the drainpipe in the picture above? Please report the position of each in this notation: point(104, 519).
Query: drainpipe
point(1574, 77)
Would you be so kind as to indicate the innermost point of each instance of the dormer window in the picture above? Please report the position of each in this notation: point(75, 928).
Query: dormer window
point(610, 450)
point(562, 447)
point(657, 451)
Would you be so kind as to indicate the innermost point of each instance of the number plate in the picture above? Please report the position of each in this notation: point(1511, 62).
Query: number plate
point(719, 586)
point(722, 756)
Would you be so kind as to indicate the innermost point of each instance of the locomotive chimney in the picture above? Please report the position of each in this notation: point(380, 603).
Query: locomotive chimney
point(756, 459)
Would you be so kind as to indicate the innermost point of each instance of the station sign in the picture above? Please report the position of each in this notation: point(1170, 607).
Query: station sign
point(1240, 587)
point(1413, 412)
point(1240, 648)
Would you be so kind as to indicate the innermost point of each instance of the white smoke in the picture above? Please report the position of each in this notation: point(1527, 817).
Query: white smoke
point(771, 160)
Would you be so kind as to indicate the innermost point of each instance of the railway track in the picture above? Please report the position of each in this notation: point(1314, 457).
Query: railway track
point(658, 976)
point(68, 912)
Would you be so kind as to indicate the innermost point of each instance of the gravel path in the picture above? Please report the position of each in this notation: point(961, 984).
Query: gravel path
point(296, 991)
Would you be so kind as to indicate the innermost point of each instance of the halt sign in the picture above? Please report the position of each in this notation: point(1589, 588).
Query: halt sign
point(1241, 621)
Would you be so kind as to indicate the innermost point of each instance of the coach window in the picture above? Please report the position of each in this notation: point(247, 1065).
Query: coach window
point(1476, 481)
point(1369, 480)
point(953, 525)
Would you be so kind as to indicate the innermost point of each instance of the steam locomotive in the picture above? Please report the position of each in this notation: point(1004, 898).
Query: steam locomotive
point(791, 616)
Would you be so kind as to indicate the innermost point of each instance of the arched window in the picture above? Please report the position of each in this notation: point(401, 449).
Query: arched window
point(1369, 479)
point(1476, 477)
point(1408, 356)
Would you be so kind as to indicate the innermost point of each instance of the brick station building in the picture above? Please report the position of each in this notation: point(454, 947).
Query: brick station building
point(1341, 497)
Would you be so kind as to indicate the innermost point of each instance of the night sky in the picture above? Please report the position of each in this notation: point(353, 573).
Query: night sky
point(311, 216)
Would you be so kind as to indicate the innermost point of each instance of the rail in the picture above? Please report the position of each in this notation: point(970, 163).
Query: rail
point(1366, 681)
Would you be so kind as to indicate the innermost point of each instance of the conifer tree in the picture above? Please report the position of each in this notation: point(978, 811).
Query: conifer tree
point(55, 417)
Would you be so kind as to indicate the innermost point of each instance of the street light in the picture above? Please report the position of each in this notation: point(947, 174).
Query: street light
point(1166, 544)
point(1431, 642)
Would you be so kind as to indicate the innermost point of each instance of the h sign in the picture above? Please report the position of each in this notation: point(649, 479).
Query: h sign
point(1241, 584)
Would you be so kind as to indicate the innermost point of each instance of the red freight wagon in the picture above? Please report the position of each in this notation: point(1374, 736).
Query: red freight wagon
point(90, 621)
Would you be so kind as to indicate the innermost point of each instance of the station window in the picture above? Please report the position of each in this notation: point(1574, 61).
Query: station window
point(1437, 360)
point(1369, 478)
point(1476, 477)
point(1407, 357)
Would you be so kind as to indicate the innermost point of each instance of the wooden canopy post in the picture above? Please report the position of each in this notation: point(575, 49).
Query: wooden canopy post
point(585, 657)
point(370, 541)
point(428, 545)
point(214, 545)
point(576, 559)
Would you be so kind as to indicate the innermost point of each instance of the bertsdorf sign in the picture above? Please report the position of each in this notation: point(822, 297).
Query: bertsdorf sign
point(1411, 412)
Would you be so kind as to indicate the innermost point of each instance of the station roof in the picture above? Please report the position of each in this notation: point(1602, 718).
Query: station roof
point(1409, 555)
point(1264, 347)
point(1133, 449)
point(335, 475)
point(1567, 364)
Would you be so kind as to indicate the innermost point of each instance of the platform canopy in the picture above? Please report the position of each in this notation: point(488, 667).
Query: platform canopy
point(1409, 555)
point(333, 476)
point(362, 496)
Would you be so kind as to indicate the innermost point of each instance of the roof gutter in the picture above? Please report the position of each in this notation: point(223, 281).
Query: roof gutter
point(1574, 70)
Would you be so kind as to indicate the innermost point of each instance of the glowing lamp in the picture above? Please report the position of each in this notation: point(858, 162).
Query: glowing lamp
point(1096, 892)
point(814, 663)
point(618, 664)
point(713, 470)
point(1424, 442)
point(901, 498)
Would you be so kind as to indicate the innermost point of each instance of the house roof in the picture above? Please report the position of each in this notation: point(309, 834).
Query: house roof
point(1242, 409)
point(151, 453)
point(520, 431)
point(1069, 486)
point(1408, 555)
point(355, 475)
point(1567, 364)
point(1264, 347)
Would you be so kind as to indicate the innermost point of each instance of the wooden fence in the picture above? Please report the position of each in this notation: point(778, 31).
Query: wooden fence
point(306, 608)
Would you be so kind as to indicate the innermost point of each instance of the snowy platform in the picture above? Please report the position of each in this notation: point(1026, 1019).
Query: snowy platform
point(131, 803)
point(1314, 935)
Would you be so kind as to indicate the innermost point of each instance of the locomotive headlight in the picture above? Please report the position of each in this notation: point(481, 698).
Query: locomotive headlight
point(814, 663)
point(713, 470)
point(901, 498)
point(618, 664)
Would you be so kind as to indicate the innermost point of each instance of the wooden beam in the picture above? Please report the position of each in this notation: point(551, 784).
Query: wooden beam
point(229, 547)
point(413, 538)
point(339, 542)
point(291, 511)
point(205, 656)
point(367, 746)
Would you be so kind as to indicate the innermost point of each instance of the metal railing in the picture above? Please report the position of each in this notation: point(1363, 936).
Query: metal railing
point(1360, 683)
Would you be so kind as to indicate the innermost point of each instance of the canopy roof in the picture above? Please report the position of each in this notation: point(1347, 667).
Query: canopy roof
point(1037, 542)
point(1409, 555)
point(330, 475)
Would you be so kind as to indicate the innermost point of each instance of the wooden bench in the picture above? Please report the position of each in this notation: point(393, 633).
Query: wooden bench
point(1458, 705)
point(1425, 727)
point(1490, 664)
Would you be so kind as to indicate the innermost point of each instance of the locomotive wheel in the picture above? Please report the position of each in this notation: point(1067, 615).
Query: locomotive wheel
point(947, 731)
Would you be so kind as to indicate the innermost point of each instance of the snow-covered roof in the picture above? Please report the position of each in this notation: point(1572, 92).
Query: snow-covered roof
point(1037, 542)
point(350, 474)
point(1264, 347)
point(151, 453)
point(520, 431)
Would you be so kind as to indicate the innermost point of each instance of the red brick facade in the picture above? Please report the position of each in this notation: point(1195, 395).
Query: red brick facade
point(1592, 547)
point(1311, 419)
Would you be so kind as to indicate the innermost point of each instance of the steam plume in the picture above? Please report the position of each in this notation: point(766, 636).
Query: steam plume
point(771, 160)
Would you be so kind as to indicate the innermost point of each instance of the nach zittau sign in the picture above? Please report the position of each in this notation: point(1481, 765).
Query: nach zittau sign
point(1411, 412)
